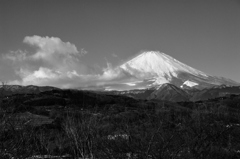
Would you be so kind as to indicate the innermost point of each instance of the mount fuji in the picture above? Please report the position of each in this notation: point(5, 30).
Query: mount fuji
point(152, 69)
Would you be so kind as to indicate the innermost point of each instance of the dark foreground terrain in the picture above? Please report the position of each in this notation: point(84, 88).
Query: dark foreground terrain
point(81, 124)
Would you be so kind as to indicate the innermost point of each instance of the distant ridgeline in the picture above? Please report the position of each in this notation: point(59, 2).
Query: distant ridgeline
point(167, 92)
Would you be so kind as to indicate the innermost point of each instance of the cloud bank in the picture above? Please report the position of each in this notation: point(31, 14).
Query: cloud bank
point(56, 63)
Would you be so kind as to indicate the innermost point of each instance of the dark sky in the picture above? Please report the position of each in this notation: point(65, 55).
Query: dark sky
point(204, 34)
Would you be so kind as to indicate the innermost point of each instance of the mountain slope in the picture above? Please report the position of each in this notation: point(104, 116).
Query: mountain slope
point(215, 92)
point(169, 92)
point(160, 68)
point(17, 89)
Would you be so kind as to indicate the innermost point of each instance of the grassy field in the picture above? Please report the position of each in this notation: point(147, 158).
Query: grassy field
point(82, 124)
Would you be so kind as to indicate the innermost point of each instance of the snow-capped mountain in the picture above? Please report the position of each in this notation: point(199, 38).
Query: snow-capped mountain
point(155, 68)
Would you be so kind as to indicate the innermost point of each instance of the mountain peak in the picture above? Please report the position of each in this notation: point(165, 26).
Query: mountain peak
point(161, 68)
point(154, 63)
point(151, 56)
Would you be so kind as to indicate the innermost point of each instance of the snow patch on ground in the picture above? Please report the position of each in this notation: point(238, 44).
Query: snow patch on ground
point(130, 84)
point(189, 84)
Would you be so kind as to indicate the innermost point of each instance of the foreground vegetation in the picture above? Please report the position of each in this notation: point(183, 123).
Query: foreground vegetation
point(81, 124)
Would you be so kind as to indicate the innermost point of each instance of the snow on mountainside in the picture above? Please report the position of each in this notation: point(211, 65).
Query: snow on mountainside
point(159, 64)
point(169, 92)
point(161, 68)
point(189, 84)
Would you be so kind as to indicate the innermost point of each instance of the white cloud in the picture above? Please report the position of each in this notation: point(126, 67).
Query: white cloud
point(57, 63)
point(48, 46)
point(114, 55)
point(109, 72)
point(41, 74)
point(52, 51)
point(18, 55)
point(52, 60)
point(83, 51)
